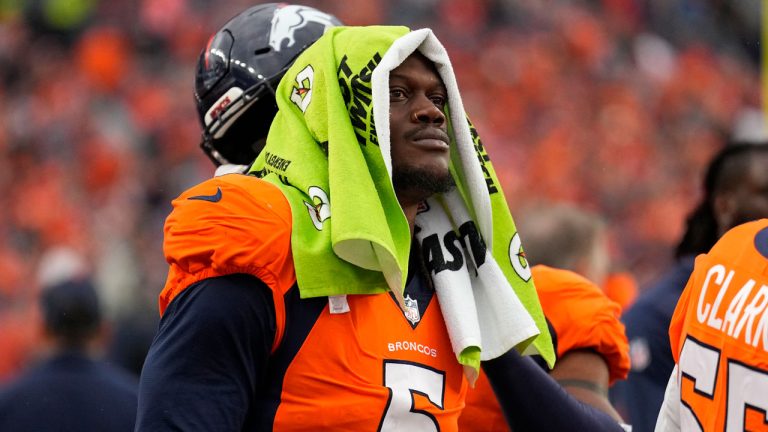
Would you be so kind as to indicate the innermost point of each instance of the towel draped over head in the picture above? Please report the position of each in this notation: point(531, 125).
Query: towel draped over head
point(329, 151)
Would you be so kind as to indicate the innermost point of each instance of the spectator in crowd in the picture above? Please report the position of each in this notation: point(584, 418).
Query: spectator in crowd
point(719, 339)
point(70, 389)
point(733, 192)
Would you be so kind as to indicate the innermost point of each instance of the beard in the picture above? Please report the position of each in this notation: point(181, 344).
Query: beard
point(421, 182)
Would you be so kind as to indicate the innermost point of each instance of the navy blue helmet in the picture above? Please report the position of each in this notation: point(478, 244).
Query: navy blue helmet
point(238, 73)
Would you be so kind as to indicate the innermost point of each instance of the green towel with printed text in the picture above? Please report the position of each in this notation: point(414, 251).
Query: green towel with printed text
point(350, 235)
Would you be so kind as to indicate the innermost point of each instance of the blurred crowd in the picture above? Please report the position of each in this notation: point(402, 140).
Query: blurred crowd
point(614, 105)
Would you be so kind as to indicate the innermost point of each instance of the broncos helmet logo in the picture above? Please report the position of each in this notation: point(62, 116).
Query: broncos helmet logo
point(287, 20)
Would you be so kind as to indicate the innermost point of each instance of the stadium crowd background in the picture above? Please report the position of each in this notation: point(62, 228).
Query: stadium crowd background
point(614, 105)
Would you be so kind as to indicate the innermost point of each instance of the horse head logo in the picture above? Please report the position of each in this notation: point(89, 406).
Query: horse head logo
point(289, 19)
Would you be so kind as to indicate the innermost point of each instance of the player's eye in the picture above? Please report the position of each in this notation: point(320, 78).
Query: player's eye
point(396, 93)
point(439, 100)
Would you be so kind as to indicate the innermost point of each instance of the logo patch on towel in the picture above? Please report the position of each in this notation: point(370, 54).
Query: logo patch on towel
point(301, 94)
point(320, 208)
point(517, 258)
point(411, 310)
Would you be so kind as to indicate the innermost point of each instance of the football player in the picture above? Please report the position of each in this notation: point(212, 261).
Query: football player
point(719, 338)
point(733, 192)
point(172, 388)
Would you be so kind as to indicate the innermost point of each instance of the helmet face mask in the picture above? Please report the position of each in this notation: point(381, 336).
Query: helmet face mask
point(239, 70)
point(222, 141)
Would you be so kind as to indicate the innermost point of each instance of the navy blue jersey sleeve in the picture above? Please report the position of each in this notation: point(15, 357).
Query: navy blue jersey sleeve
point(532, 401)
point(208, 358)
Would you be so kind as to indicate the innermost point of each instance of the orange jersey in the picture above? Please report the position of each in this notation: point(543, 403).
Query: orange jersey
point(719, 335)
point(365, 369)
point(621, 287)
point(582, 318)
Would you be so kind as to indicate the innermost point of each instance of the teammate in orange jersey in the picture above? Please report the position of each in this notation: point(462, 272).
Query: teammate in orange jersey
point(733, 192)
point(719, 339)
point(591, 346)
point(565, 238)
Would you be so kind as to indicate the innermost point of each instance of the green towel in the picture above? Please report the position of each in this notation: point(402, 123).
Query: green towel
point(350, 235)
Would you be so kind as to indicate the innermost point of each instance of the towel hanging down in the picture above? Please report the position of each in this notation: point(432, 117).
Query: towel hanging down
point(329, 151)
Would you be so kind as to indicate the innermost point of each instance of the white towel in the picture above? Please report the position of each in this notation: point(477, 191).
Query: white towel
point(479, 306)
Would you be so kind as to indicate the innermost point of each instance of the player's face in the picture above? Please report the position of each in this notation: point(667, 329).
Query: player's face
point(418, 130)
point(750, 200)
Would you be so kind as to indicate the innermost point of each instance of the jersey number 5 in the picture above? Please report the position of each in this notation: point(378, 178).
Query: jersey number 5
point(745, 390)
point(405, 380)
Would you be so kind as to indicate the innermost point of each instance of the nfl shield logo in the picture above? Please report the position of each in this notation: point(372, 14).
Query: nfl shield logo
point(412, 310)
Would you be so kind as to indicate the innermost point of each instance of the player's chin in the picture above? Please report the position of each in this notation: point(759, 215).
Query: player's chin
point(428, 180)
